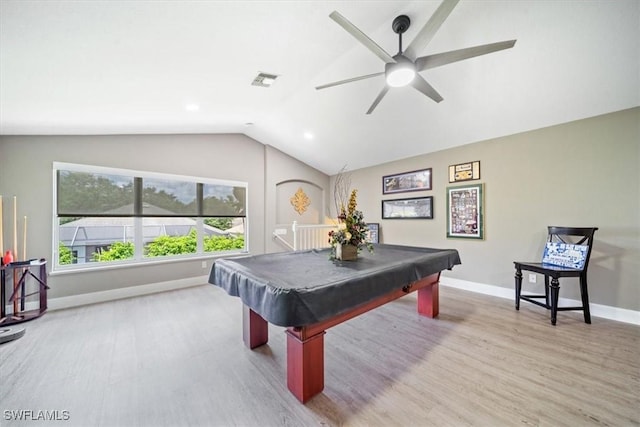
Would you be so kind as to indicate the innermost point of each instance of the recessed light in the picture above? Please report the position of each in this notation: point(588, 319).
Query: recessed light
point(308, 135)
point(192, 107)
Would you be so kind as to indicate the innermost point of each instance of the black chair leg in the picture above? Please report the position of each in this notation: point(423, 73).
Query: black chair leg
point(585, 299)
point(555, 292)
point(546, 291)
point(518, 287)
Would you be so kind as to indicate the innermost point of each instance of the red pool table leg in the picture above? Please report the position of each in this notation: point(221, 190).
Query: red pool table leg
point(428, 300)
point(305, 365)
point(255, 330)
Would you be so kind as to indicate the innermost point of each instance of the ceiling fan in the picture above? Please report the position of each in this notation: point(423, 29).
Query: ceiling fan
point(403, 68)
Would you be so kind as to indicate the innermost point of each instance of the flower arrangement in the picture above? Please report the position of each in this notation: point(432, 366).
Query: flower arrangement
point(352, 230)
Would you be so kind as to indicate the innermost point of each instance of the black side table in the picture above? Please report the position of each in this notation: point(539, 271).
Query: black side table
point(13, 282)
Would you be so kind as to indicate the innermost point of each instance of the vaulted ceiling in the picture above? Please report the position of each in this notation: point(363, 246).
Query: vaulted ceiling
point(127, 67)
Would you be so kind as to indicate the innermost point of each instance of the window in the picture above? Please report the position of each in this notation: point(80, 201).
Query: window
point(106, 215)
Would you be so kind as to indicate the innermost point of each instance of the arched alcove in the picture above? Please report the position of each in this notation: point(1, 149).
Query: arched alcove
point(299, 200)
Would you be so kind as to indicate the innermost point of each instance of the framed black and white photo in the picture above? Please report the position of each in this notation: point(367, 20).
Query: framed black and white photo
point(412, 208)
point(407, 181)
point(374, 230)
point(465, 216)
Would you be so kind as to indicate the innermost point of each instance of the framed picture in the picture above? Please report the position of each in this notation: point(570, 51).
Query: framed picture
point(413, 208)
point(464, 172)
point(465, 216)
point(374, 229)
point(407, 181)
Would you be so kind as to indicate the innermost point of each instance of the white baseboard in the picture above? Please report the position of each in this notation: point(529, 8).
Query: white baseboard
point(597, 310)
point(132, 291)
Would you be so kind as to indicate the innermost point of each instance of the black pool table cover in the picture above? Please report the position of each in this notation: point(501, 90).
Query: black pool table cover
point(305, 287)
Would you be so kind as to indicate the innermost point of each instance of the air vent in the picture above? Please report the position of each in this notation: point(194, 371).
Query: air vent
point(264, 80)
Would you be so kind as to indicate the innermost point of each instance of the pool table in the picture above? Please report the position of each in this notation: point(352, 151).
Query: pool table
point(308, 293)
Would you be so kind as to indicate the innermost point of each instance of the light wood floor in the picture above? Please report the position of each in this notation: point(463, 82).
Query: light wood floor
point(177, 359)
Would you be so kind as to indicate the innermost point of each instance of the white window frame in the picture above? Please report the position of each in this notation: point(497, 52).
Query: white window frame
point(138, 257)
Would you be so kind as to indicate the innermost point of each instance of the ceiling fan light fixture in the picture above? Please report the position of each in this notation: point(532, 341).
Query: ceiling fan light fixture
point(400, 73)
point(400, 77)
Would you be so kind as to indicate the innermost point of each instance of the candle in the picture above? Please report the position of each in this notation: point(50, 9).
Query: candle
point(15, 227)
point(16, 288)
point(1, 238)
point(24, 240)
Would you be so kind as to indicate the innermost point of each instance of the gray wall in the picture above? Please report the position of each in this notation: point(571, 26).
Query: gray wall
point(583, 173)
point(284, 175)
point(26, 172)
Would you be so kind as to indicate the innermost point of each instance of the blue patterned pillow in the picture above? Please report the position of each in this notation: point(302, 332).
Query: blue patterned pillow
point(565, 255)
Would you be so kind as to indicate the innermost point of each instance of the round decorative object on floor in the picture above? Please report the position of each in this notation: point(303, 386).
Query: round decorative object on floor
point(10, 334)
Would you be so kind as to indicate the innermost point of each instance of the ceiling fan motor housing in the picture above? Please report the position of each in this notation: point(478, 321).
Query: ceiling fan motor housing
point(401, 24)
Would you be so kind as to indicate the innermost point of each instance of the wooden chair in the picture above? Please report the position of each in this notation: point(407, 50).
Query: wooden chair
point(567, 254)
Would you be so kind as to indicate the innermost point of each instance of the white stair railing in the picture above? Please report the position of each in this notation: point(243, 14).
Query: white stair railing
point(281, 240)
point(306, 236)
point(311, 236)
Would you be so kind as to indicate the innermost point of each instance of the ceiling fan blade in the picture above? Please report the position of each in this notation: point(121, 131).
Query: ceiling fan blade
point(421, 84)
point(432, 61)
point(353, 79)
point(361, 37)
point(381, 95)
point(429, 30)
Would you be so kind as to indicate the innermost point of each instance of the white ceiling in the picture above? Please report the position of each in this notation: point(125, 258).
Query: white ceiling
point(121, 67)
